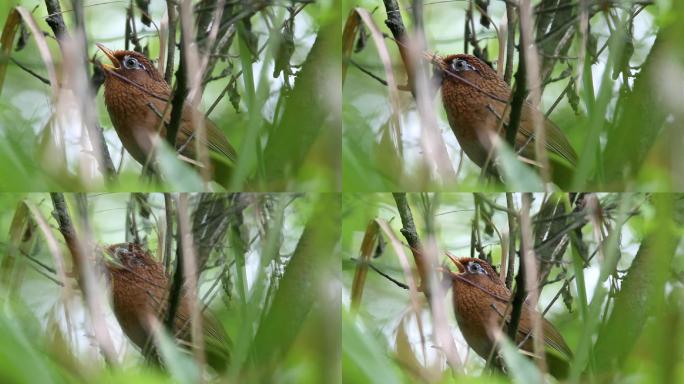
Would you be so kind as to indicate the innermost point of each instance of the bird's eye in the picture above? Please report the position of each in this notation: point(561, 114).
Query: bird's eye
point(476, 268)
point(132, 63)
point(459, 65)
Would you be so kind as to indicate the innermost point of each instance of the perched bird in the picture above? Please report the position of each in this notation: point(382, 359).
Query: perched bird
point(137, 95)
point(140, 288)
point(475, 100)
point(480, 301)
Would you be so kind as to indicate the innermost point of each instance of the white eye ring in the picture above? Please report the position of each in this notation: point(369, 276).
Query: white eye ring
point(132, 63)
point(460, 65)
point(475, 268)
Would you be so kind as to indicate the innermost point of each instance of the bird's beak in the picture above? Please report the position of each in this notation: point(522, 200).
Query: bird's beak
point(110, 54)
point(435, 60)
point(459, 265)
point(111, 260)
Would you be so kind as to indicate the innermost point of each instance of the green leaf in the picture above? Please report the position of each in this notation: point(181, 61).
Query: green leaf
point(365, 360)
point(518, 176)
point(178, 362)
point(178, 175)
point(520, 368)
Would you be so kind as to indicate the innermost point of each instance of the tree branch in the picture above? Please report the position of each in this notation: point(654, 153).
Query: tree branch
point(518, 96)
point(171, 43)
point(179, 95)
point(411, 235)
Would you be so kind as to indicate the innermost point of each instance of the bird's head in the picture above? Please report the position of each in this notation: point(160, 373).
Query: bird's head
point(127, 256)
point(474, 270)
point(130, 65)
point(462, 66)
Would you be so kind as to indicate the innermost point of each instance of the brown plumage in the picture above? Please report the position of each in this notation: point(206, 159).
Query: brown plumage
point(140, 288)
point(475, 98)
point(136, 95)
point(480, 301)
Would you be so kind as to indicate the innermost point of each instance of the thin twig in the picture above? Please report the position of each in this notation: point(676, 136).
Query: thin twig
point(30, 71)
point(385, 275)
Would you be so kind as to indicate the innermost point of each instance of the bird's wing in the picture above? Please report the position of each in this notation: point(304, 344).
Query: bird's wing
point(216, 141)
point(552, 338)
point(217, 344)
point(556, 141)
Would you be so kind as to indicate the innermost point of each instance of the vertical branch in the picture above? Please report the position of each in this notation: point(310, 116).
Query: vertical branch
point(176, 284)
point(430, 287)
point(131, 225)
point(193, 86)
point(127, 28)
point(511, 239)
point(518, 298)
point(411, 235)
point(510, 41)
point(432, 141)
point(396, 26)
point(168, 235)
point(80, 250)
point(84, 91)
point(466, 26)
point(531, 280)
point(66, 228)
point(179, 94)
point(189, 260)
point(55, 19)
point(411, 51)
point(171, 43)
point(56, 23)
point(517, 97)
point(528, 50)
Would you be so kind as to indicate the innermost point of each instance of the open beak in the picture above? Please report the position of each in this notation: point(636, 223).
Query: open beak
point(434, 59)
point(458, 264)
point(110, 54)
point(111, 260)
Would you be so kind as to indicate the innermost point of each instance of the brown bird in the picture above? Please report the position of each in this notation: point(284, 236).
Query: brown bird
point(136, 96)
point(140, 289)
point(475, 99)
point(480, 301)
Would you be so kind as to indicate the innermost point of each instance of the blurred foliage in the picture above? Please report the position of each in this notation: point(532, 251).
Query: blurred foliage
point(272, 265)
point(257, 91)
point(624, 293)
point(609, 85)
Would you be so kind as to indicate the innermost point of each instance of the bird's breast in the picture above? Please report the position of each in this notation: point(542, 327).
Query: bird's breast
point(472, 117)
point(474, 314)
point(135, 117)
point(131, 306)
